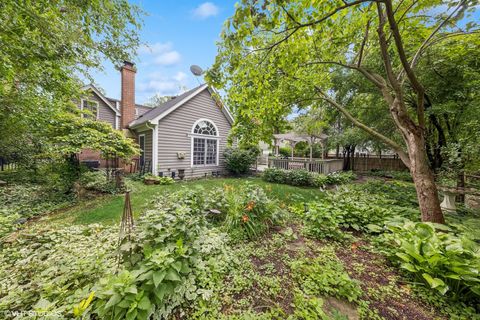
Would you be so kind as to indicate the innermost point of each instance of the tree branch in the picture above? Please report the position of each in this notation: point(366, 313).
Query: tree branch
point(397, 148)
point(425, 43)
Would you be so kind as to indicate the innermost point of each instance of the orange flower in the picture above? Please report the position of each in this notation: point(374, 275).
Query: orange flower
point(250, 206)
point(354, 246)
point(245, 218)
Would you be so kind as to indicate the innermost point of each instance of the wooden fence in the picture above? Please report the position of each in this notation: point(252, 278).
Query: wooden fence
point(365, 163)
point(320, 166)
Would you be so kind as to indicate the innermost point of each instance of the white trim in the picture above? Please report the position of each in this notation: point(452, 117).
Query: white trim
point(208, 120)
point(117, 122)
point(90, 100)
point(164, 114)
point(155, 150)
point(101, 96)
point(205, 137)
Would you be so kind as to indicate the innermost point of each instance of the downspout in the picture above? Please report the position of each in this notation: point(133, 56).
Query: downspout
point(154, 147)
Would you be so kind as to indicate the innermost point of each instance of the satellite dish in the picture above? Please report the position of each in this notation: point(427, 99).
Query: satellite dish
point(196, 70)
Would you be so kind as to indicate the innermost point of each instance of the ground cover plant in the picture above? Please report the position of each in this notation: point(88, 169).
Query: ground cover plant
point(240, 249)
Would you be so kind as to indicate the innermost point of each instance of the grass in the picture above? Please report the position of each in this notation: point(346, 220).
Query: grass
point(108, 209)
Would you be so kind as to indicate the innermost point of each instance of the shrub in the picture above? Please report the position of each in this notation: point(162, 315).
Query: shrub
point(437, 258)
point(302, 177)
point(238, 161)
point(245, 211)
point(299, 177)
point(158, 179)
point(97, 181)
point(285, 151)
point(350, 209)
point(275, 175)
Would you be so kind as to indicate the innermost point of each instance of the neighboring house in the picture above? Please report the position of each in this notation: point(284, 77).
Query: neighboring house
point(188, 132)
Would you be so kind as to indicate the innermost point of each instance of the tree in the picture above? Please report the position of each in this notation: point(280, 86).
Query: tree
point(276, 53)
point(47, 47)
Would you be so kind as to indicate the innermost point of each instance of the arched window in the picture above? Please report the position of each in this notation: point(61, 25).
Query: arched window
point(204, 143)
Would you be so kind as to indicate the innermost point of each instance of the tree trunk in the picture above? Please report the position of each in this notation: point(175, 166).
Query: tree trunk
point(424, 180)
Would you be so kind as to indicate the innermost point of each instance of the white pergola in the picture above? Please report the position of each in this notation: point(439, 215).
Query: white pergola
point(293, 138)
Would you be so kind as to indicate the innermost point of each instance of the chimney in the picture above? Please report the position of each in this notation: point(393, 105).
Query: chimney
point(127, 72)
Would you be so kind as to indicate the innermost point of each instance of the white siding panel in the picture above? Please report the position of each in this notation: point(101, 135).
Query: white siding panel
point(174, 131)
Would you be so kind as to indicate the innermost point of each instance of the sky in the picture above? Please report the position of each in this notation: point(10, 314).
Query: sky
point(177, 34)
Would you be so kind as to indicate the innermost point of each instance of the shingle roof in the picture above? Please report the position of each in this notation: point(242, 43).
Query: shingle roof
point(157, 111)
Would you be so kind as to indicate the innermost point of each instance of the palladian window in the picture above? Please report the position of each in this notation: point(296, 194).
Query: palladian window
point(204, 143)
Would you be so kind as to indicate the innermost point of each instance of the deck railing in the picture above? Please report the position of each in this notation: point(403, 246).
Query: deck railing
point(324, 166)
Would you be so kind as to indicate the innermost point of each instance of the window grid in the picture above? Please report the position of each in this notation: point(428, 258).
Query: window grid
point(205, 128)
point(91, 106)
point(204, 149)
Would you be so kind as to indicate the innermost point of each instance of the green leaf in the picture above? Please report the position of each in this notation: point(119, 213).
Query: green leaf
point(113, 300)
point(144, 304)
point(172, 275)
point(158, 277)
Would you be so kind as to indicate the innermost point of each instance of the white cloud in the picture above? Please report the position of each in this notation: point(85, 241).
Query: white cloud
point(205, 10)
point(159, 83)
point(180, 76)
point(167, 58)
point(162, 53)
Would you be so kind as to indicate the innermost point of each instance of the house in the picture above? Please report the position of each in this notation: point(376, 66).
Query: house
point(186, 135)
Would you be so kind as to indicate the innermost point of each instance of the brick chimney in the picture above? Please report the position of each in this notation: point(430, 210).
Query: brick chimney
point(127, 72)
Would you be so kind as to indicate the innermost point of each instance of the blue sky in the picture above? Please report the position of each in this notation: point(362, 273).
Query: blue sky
point(178, 33)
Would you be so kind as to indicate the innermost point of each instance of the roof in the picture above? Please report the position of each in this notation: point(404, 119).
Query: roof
point(136, 104)
point(107, 101)
point(296, 137)
point(167, 107)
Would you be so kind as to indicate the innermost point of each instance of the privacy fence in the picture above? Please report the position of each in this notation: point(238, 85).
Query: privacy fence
point(357, 163)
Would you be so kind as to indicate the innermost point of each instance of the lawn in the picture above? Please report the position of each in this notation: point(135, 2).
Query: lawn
point(235, 249)
point(109, 209)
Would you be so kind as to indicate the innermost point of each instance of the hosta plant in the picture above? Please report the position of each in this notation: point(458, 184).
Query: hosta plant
point(436, 257)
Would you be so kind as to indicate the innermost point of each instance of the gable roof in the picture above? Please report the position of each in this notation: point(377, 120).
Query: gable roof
point(164, 109)
point(102, 97)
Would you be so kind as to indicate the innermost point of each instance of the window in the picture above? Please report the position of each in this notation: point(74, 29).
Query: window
point(92, 107)
point(204, 143)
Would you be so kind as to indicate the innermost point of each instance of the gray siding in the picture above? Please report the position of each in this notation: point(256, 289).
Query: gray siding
point(105, 113)
point(148, 144)
point(174, 131)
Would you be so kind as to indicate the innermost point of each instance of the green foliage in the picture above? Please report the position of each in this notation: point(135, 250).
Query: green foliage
point(44, 58)
point(54, 268)
point(238, 161)
point(347, 209)
point(246, 211)
point(97, 181)
point(401, 194)
point(158, 179)
point(24, 201)
point(301, 177)
point(436, 257)
point(396, 175)
point(325, 275)
point(173, 258)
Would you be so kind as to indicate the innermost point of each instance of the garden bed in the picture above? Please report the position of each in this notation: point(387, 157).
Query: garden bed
point(241, 249)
